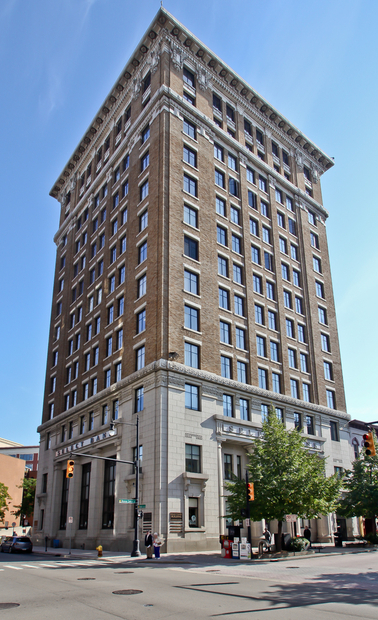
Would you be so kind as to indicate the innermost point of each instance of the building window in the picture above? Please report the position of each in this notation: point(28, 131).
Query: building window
point(241, 368)
point(260, 346)
point(292, 358)
point(217, 103)
point(94, 386)
point(270, 290)
point(328, 371)
point(192, 458)
point(294, 252)
point(237, 271)
point(230, 113)
point(262, 373)
point(190, 156)
point(190, 185)
point(118, 372)
point(141, 321)
point(139, 399)
point(294, 388)
point(322, 314)
point(264, 412)
point(223, 266)
point(301, 333)
point(319, 288)
point(224, 299)
point(280, 219)
point(220, 206)
point(191, 318)
point(292, 226)
point(297, 421)
point(84, 498)
point(274, 351)
point(233, 187)
point(303, 362)
point(276, 383)
point(330, 399)
point(252, 199)
point(240, 338)
point(142, 252)
point(285, 271)
point(287, 299)
point(219, 178)
point(255, 254)
point(236, 244)
point(272, 320)
point(306, 392)
point(144, 191)
point(109, 494)
point(189, 129)
point(298, 305)
point(257, 284)
point(140, 357)
point(259, 314)
point(191, 396)
point(325, 342)
point(235, 215)
point(191, 282)
point(239, 305)
point(142, 286)
point(191, 247)
point(221, 235)
point(312, 218)
point(244, 409)
point(225, 367)
point(264, 208)
point(145, 134)
point(227, 466)
point(289, 328)
point(228, 405)
point(108, 378)
point(253, 227)
point(316, 264)
point(191, 355)
point(310, 424)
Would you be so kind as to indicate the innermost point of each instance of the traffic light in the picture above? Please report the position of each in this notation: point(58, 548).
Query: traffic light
point(70, 469)
point(369, 444)
point(251, 492)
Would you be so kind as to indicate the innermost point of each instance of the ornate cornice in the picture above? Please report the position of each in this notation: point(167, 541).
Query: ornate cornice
point(209, 68)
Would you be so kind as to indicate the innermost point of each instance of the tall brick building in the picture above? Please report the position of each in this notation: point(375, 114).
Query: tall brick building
point(193, 288)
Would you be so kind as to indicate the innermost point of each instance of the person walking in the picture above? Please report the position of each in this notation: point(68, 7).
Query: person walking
point(148, 542)
point(157, 544)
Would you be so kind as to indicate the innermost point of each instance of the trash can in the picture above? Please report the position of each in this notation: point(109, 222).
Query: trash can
point(56, 543)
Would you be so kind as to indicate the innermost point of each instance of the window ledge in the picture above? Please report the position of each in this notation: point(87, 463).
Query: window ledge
point(192, 476)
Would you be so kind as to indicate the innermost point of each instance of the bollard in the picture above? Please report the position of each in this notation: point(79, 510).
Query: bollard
point(99, 551)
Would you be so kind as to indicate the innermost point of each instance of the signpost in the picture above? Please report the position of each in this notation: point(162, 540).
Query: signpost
point(126, 501)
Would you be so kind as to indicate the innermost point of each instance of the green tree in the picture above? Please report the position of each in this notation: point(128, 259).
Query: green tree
point(28, 495)
point(287, 478)
point(360, 486)
point(4, 498)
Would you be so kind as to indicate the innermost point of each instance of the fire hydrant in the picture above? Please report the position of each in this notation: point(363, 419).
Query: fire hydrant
point(99, 551)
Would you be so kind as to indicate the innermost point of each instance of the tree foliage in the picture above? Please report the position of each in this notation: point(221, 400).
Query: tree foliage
point(360, 486)
point(28, 495)
point(287, 478)
point(4, 499)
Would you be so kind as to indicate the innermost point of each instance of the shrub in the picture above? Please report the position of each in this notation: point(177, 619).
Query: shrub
point(372, 538)
point(299, 544)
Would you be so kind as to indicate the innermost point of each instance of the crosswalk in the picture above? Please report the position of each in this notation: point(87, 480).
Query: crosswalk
point(63, 564)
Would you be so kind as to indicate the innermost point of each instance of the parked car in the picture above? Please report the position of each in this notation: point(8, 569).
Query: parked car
point(13, 544)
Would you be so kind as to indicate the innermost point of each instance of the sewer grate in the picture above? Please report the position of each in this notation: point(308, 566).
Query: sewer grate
point(292, 566)
point(148, 605)
point(127, 592)
point(86, 578)
point(124, 572)
point(8, 605)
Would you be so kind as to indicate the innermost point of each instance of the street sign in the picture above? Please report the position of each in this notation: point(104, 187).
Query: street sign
point(142, 505)
point(291, 518)
point(70, 519)
point(126, 501)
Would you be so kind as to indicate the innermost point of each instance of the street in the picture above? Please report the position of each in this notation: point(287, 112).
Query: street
point(191, 586)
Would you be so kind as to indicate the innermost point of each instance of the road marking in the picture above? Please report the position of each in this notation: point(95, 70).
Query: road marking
point(48, 565)
point(30, 566)
point(14, 567)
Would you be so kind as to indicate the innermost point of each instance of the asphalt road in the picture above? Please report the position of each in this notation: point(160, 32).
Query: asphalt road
point(320, 587)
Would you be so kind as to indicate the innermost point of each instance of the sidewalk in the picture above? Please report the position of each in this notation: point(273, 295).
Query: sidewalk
point(203, 557)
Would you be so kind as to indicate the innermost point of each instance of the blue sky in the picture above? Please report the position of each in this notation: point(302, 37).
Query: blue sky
point(315, 61)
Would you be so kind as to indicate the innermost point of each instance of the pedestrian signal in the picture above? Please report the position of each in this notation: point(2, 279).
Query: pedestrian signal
point(251, 492)
point(369, 444)
point(70, 469)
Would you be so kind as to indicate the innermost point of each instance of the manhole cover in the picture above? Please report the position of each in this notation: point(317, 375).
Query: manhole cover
point(292, 566)
point(8, 605)
point(127, 592)
point(86, 578)
point(213, 571)
point(124, 572)
point(148, 605)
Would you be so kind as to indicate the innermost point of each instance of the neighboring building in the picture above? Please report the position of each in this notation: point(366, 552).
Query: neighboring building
point(12, 473)
point(192, 288)
point(29, 454)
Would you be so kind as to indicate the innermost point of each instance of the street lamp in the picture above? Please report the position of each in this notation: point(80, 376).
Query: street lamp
point(112, 432)
point(136, 551)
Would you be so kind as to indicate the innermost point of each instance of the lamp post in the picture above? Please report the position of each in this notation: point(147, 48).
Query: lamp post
point(136, 550)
